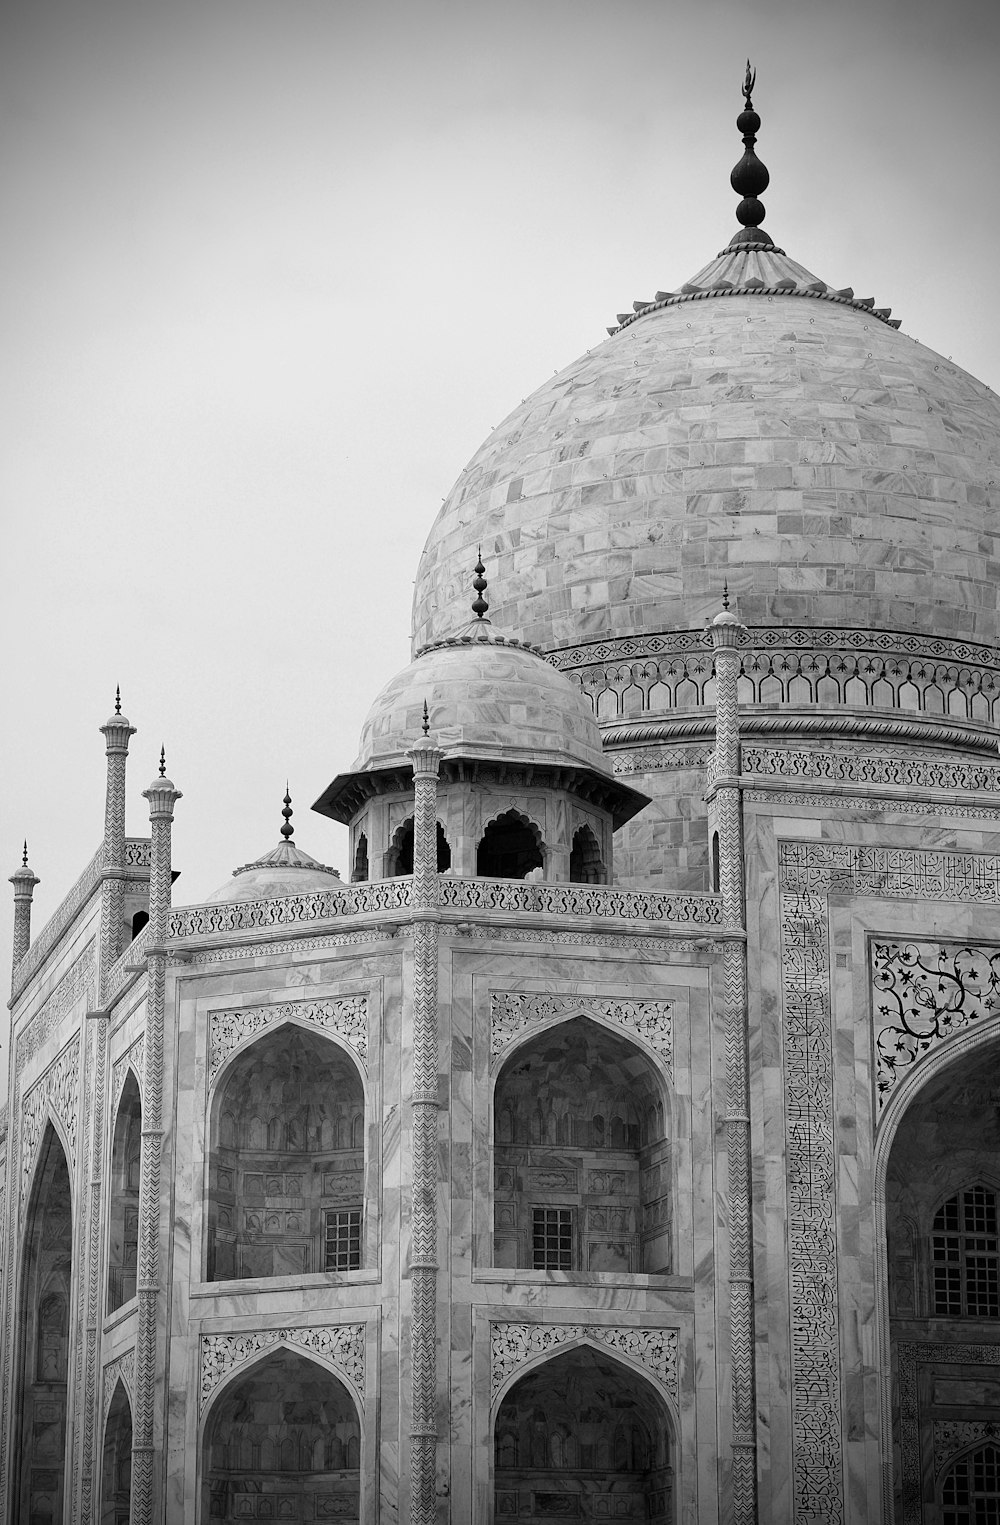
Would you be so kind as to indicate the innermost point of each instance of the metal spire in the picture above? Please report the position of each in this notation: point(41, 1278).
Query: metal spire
point(479, 604)
point(287, 829)
point(426, 720)
point(24, 855)
point(725, 594)
point(749, 177)
point(163, 762)
point(118, 699)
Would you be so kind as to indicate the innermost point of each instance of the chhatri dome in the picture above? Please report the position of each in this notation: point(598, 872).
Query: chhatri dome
point(756, 424)
point(285, 870)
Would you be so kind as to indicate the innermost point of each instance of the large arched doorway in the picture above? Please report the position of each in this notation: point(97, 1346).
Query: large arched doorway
point(283, 1442)
point(286, 1184)
point(116, 1466)
point(46, 1284)
point(581, 1157)
point(583, 1437)
point(123, 1241)
point(942, 1199)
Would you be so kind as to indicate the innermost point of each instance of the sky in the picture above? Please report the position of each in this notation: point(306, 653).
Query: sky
point(273, 269)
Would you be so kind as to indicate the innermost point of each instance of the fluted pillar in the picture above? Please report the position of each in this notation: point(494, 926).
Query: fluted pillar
point(24, 881)
point(426, 759)
point(162, 797)
point(116, 732)
point(726, 817)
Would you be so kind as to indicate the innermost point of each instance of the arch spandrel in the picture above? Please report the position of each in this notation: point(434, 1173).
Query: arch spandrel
point(519, 1348)
point(337, 1348)
point(343, 1019)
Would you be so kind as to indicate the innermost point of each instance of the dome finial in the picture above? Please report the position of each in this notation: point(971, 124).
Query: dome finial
point(750, 177)
point(426, 722)
point(725, 594)
point(287, 830)
point(163, 762)
point(24, 855)
point(479, 603)
point(118, 699)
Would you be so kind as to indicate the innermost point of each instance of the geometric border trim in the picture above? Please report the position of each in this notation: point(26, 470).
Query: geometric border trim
point(346, 1016)
point(56, 1089)
point(511, 1345)
point(343, 1345)
point(511, 1011)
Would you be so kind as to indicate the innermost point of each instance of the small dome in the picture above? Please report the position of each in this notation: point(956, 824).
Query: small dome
point(286, 870)
point(488, 698)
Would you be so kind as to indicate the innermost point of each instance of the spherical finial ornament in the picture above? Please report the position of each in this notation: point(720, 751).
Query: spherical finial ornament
point(426, 722)
point(287, 829)
point(24, 855)
point(750, 178)
point(118, 699)
point(725, 594)
point(479, 603)
point(163, 762)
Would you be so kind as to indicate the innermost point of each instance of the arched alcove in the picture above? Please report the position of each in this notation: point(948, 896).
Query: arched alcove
point(116, 1464)
point(583, 1437)
point(586, 865)
point(123, 1236)
point(359, 873)
point(283, 1440)
point(399, 859)
point(43, 1323)
point(581, 1158)
point(942, 1191)
point(510, 848)
point(286, 1170)
point(970, 1488)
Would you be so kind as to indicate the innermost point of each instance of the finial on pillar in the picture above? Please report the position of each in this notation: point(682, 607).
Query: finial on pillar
point(163, 762)
point(479, 603)
point(118, 699)
point(426, 724)
point(287, 830)
point(749, 178)
point(725, 595)
point(24, 882)
point(24, 855)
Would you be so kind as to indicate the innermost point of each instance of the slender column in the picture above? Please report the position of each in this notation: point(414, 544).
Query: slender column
point(162, 797)
point(426, 759)
point(726, 633)
point(116, 733)
point(96, 1050)
point(24, 882)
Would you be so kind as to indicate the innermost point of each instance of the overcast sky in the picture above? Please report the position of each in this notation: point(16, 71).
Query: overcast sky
point(271, 273)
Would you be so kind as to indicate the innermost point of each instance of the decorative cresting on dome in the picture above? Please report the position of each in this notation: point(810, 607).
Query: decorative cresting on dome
point(285, 870)
point(752, 263)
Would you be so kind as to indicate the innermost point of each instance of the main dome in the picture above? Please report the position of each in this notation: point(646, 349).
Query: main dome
point(756, 428)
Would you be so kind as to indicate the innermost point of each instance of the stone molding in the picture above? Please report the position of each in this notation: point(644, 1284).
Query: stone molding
point(346, 1016)
point(512, 1011)
point(662, 947)
point(343, 1345)
point(886, 804)
point(56, 1090)
point(224, 955)
point(909, 1358)
point(514, 1344)
point(581, 900)
point(923, 993)
point(253, 915)
point(871, 768)
point(77, 981)
point(122, 1367)
point(659, 759)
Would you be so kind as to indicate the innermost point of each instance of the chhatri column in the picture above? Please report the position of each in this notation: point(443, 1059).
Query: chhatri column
point(24, 882)
point(116, 732)
point(726, 820)
point(426, 759)
point(162, 797)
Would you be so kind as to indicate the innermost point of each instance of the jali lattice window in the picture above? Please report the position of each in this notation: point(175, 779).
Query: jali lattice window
point(552, 1238)
point(343, 1239)
point(971, 1492)
point(966, 1255)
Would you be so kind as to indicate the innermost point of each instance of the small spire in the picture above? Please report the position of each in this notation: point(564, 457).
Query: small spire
point(163, 762)
point(118, 699)
point(749, 177)
point(287, 830)
point(725, 595)
point(479, 604)
point(24, 855)
point(426, 721)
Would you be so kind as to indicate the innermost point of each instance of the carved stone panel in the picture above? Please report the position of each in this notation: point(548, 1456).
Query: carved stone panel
point(511, 1345)
point(343, 1345)
point(511, 1011)
point(346, 1016)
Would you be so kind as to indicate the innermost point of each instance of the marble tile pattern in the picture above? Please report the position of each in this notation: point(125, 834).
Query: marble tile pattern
point(834, 471)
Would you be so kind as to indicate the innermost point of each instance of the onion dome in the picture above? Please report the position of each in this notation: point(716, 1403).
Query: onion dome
point(490, 698)
point(285, 870)
point(755, 423)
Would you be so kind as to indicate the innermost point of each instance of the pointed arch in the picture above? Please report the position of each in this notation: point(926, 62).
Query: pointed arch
point(286, 1167)
point(123, 1227)
point(116, 1459)
point(44, 1314)
point(399, 857)
point(511, 847)
point(586, 866)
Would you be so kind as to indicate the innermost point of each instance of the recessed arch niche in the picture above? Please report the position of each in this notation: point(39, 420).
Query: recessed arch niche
point(285, 1433)
point(123, 1235)
point(40, 1405)
point(116, 1462)
point(582, 1167)
point(583, 1436)
point(399, 858)
point(287, 1159)
point(586, 865)
point(942, 1260)
point(510, 847)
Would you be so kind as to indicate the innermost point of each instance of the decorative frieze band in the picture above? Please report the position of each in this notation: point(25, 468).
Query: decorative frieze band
point(870, 768)
point(346, 1016)
point(123, 1368)
point(908, 873)
point(511, 1011)
point(76, 982)
point(601, 902)
point(511, 1345)
point(923, 994)
point(291, 910)
point(343, 1345)
point(57, 1089)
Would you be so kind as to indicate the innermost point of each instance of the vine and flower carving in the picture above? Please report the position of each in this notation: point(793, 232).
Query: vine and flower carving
point(57, 1089)
point(511, 1011)
point(925, 993)
point(343, 1345)
point(511, 1345)
point(347, 1016)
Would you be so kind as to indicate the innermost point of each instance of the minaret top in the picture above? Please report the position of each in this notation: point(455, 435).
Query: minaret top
point(749, 178)
point(24, 878)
